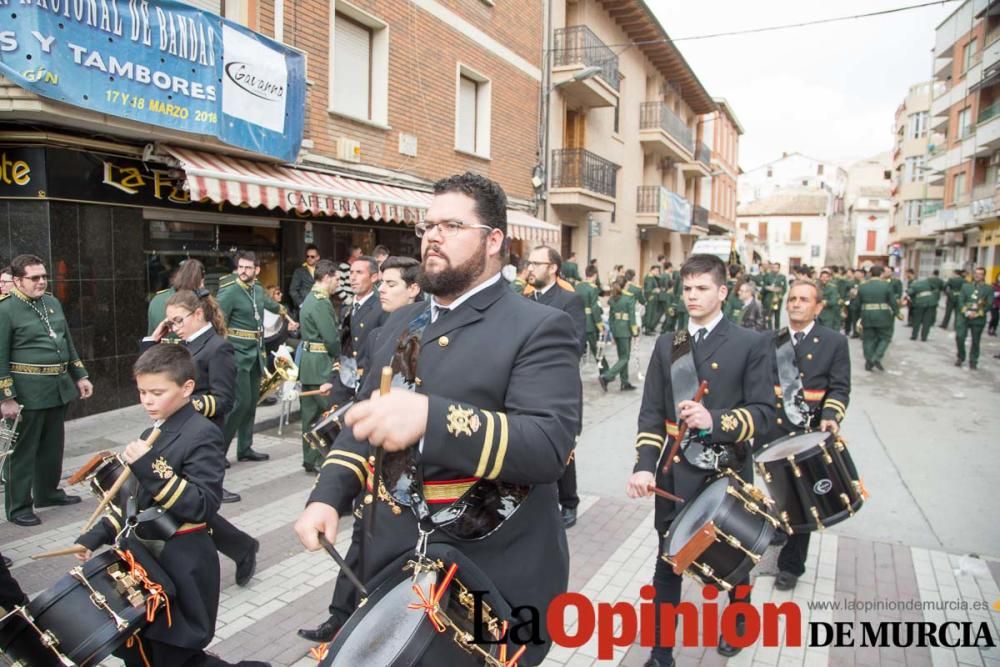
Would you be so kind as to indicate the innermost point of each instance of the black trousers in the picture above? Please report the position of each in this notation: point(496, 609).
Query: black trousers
point(229, 540)
point(568, 498)
point(668, 591)
point(345, 595)
point(792, 558)
point(11, 594)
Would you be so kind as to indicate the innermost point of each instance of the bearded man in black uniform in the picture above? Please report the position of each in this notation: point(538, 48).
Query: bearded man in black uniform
point(738, 406)
point(498, 398)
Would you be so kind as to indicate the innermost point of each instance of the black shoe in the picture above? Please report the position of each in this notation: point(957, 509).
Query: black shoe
point(27, 519)
point(973, 365)
point(252, 455)
point(270, 400)
point(958, 363)
point(569, 516)
point(247, 566)
point(324, 633)
point(868, 366)
point(780, 538)
point(628, 386)
point(230, 497)
point(61, 500)
point(653, 662)
point(8, 563)
point(310, 468)
point(725, 648)
point(604, 383)
point(878, 365)
point(785, 581)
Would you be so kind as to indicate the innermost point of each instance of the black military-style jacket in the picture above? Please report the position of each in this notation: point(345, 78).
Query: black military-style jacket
point(572, 304)
point(369, 317)
point(824, 364)
point(182, 473)
point(502, 377)
point(215, 375)
point(738, 367)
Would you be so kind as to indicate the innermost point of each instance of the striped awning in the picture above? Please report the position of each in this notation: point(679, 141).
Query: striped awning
point(223, 178)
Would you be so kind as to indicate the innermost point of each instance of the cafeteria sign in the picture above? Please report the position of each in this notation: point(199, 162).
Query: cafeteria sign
point(165, 63)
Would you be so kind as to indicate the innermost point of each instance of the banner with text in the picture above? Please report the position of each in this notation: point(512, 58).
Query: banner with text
point(164, 63)
point(675, 211)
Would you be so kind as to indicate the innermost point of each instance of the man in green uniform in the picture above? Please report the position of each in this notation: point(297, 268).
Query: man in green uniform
point(320, 351)
point(974, 301)
point(952, 289)
point(911, 276)
point(521, 280)
point(853, 309)
point(878, 308)
point(570, 270)
point(243, 302)
point(830, 316)
point(897, 288)
point(732, 308)
point(40, 373)
point(923, 307)
point(773, 284)
point(667, 298)
point(680, 310)
point(592, 310)
point(937, 286)
point(623, 328)
point(651, 290)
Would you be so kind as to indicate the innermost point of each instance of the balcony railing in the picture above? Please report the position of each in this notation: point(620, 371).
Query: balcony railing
point(984, 191)
point(657, 115)
point(647, 199)
point(672, 211)
point(989, 112)
point(579, 45)
point(700, 217)
point(579, 168)
point(704, 155)
point(931, 208)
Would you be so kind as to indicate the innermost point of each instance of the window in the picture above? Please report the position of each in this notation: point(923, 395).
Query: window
point(795, 235)
point(617, 114)
point(964, 128)
point(887, 175)
point(769, 172)
point(958, 187)
point(873, 203)
point(819, 170)
point(870, 242)
point(360, 69)
point(762, 230)
point(472, 113)
point(970, 51)
point(913, 169)
point(917, 125)
point(912, 212)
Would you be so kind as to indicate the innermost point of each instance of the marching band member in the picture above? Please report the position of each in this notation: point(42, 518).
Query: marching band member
point(974, 301)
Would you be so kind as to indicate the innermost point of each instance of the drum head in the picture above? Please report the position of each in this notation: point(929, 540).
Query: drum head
point(790, 446)
point(696, 514)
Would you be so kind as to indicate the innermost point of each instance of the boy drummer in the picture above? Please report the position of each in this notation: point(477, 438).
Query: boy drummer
point(181, 473)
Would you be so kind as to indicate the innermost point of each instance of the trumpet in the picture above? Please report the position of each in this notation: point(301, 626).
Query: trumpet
point(8, 435)
point(285, 370)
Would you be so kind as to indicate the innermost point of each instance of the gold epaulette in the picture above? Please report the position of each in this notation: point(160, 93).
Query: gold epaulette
point(4, 296)
point(164, 290)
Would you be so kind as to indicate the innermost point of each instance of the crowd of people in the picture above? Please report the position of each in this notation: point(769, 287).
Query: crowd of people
point(484, 408)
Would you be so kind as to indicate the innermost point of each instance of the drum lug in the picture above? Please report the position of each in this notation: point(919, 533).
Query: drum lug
point(860, 489)
point(762, 471)
point(826, 455)
point(785, 519)
point(840, 444)
point(708, 572)
point(735, 543)
point(795, 468)
point(97, 598)
point(847, 504)
point(815, 513)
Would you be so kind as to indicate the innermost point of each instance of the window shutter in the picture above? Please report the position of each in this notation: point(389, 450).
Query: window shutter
point(352, 68)
point(467, 93)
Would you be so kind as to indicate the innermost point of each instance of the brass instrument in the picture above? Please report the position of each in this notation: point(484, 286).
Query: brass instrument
point(8, 435)
point(976, 310)
point(285, 370)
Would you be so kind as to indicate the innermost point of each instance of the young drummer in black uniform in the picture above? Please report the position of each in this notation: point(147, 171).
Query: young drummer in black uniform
point(182, 474)
point(194, 317)
point(739, 405)
point(821, 362)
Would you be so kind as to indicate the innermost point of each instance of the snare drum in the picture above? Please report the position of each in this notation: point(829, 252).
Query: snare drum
point(391, 628)
point(105, 476)
point(326, 429)
point(721, 533)
point(85, 616)
point(812, 479)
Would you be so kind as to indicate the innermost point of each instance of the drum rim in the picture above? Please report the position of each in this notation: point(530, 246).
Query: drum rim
point(689, 507)
point(801, 455)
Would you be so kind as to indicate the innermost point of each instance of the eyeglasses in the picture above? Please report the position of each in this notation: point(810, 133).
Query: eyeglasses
point(178, 321)
point(535, 265)
point(35, 279)
point(312, 256)
point(447, 229)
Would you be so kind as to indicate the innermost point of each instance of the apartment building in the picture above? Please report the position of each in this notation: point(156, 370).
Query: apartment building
point(722, 131)
point(791, 226)
point(792, 170)
point(625, 157)
point(867, 198)
point(913, 196)
point(966, 111)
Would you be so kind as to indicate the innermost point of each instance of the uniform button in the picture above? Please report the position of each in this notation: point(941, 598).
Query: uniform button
point(443, 341)
point(714, 365)
point(362, 325)
point(354, 353)
point(815, 340)
point(809, 356)
point(779, 420)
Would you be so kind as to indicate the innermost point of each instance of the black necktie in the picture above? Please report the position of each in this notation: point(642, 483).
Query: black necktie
point(700, 335)
point(441, 312)
point(537, 295)
point(355, 308)
point(799, 335)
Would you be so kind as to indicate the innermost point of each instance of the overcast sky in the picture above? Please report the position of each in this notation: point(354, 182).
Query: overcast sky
point(828, 91)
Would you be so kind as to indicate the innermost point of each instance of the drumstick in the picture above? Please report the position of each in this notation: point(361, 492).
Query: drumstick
point(664, 494)
point(385, 384)
point(682, 427)
point(344, 567)
point(313, 392)
point(116, 487)
point(68, 551)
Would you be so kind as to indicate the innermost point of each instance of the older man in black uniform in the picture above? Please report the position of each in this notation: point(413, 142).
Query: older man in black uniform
point(498, 400)
point(544, 266)
point(738, 406)
point(811, 363)
point(365, 313)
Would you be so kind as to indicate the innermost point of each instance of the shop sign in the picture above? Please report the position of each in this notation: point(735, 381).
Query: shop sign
point(165, 63)
point(22, 172)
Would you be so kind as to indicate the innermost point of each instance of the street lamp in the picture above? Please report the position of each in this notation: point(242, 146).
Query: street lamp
point(588, 72)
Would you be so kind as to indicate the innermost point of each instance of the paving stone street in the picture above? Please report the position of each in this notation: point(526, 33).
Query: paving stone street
point(919, 433)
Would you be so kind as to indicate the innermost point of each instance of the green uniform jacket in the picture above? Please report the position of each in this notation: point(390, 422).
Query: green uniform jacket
point(769, 297)
point(877, 302)
point(897, 287)
point(937, 286)
point(320, 337)
point(651, 288)
point(974, 301)
point(38, 370)
point(593, 313)
point(954, 287)
point(636, 293)
point(921, 293)
point(157, 311)
point(830, 316)
point(570, 271)
point(678, 302)
point(622, 316)
point(518, 286)
point(243, 307)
